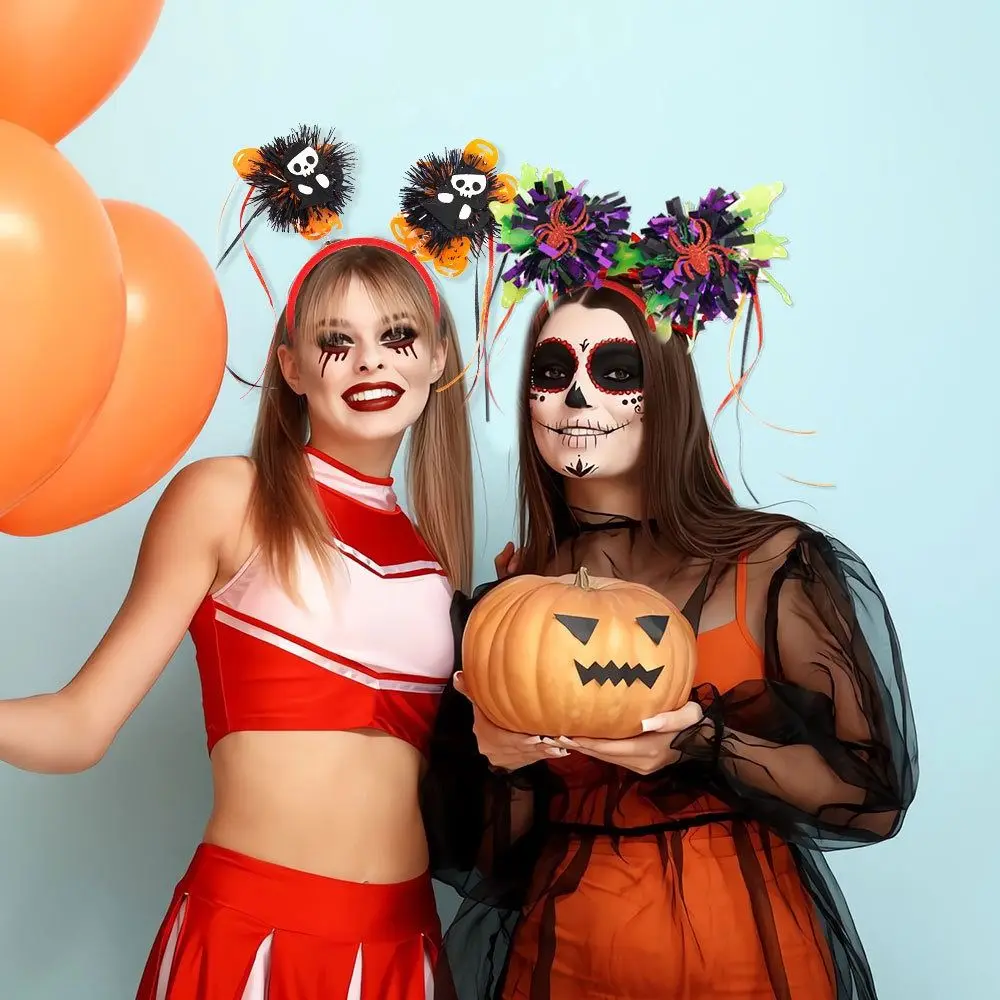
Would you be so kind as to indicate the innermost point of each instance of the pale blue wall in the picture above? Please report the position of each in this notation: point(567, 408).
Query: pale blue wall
point(876, 115)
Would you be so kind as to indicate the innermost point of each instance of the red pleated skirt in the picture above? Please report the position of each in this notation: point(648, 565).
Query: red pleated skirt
point(242, 929)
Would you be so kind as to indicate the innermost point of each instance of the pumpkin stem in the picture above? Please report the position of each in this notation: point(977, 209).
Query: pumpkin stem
point(582, 578)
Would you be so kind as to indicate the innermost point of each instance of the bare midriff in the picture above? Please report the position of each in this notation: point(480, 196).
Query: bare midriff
point(339, 804)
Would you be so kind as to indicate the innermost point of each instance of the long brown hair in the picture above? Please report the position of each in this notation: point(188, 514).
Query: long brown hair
point(693, 510)
point(284, 509)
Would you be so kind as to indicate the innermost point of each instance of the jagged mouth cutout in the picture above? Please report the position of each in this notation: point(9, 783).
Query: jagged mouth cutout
point(611, 673)
point(582, 628)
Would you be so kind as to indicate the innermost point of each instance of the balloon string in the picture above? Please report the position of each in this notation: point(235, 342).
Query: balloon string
point(475, 374)
point(259, 383)
point(733, 391)
point(785, 430)
point(478, 326)
point(483, 337)
point(250, 257)
point(222, 217)
point(459, 376)
point(809, 482)
point(738, 386)
point(503, 323)
point(473, 360)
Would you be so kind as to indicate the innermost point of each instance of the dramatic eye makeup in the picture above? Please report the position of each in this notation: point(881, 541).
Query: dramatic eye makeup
point(553, 365)
point(335, 344)
point(615, 366)
point(402, 339)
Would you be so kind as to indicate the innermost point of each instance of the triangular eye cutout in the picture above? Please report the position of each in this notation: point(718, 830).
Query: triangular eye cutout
point(653, 625)
point(578, 627)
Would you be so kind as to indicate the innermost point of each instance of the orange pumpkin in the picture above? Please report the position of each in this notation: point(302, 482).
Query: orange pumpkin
point(576, 656)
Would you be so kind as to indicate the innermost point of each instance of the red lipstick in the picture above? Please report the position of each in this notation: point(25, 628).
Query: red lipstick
point(369, 396)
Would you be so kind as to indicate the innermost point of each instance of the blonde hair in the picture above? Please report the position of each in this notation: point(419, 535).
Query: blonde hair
point(284, 509)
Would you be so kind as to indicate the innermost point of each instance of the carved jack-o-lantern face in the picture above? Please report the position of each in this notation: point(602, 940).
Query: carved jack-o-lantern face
point(577, 656)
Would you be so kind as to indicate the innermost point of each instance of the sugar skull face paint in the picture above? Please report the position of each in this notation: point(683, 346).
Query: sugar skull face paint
point(586, 393)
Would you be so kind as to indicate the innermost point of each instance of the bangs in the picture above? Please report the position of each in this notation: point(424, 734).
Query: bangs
point(392, 282)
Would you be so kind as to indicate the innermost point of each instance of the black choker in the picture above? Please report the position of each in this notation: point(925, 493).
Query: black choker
point(614, 522)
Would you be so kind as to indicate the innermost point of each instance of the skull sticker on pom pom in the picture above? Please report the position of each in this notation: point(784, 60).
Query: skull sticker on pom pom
point(308, 176)
point(446, 216)
point(455, 206)
point(303, 181)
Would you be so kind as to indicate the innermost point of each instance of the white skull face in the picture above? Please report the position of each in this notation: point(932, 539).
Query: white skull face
point(468, 185)
point(303, 164)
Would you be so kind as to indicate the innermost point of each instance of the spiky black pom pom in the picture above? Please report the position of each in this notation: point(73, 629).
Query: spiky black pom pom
point(300, 178)
point(448, 196)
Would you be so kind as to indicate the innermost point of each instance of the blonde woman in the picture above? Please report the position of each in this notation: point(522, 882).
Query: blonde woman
point(320, 616)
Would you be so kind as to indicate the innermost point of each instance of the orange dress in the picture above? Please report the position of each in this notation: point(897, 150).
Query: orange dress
point(705, 880)
point(637, 927)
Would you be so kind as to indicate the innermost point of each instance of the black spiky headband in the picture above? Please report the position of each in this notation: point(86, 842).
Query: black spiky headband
point(304, 181)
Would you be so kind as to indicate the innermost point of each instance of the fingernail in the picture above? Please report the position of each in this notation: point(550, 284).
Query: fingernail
point(548, 739)
point(567, 742)
point(532, 740)
point(650, 724)
point(556, 752)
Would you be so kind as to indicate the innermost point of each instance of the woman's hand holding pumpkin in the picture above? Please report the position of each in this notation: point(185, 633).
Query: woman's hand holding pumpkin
point(643, 754)
point(502, 748)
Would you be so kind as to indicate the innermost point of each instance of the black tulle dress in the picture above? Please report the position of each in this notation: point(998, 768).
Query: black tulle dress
point(707, 879)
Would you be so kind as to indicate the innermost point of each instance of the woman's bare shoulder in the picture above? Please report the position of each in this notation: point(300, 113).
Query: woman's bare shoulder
point(210, 490)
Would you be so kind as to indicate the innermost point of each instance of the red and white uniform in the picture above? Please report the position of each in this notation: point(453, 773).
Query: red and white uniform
point(369, 646)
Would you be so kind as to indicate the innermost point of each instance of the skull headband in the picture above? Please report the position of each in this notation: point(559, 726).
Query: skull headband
point(303, 182)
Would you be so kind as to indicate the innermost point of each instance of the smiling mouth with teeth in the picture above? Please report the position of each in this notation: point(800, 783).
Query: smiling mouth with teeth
point(366, 397)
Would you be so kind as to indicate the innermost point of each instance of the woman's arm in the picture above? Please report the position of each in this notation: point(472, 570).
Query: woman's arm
point(825, 747)
point(71, 729)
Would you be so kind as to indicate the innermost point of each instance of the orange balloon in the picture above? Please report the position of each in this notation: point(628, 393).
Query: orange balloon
point(61, 59)
point(168, 378)
point(62, 310)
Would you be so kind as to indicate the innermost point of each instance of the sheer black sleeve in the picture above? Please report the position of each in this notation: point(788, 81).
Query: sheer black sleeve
point(472, 812)
point(824, 749)
point(482, 836)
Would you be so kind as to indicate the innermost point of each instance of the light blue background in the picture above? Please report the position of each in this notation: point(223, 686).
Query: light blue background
point(881, 120)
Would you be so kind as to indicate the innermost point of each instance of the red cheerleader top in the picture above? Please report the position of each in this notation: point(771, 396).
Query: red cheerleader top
point(369, 648)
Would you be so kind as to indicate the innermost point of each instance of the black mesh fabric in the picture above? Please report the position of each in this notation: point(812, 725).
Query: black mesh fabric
point(817, 754)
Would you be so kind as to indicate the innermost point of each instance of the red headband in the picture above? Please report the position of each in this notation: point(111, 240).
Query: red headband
point(635, 299)
point(357, 241)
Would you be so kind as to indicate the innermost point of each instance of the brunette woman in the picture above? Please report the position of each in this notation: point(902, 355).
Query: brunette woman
point(684, 863)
